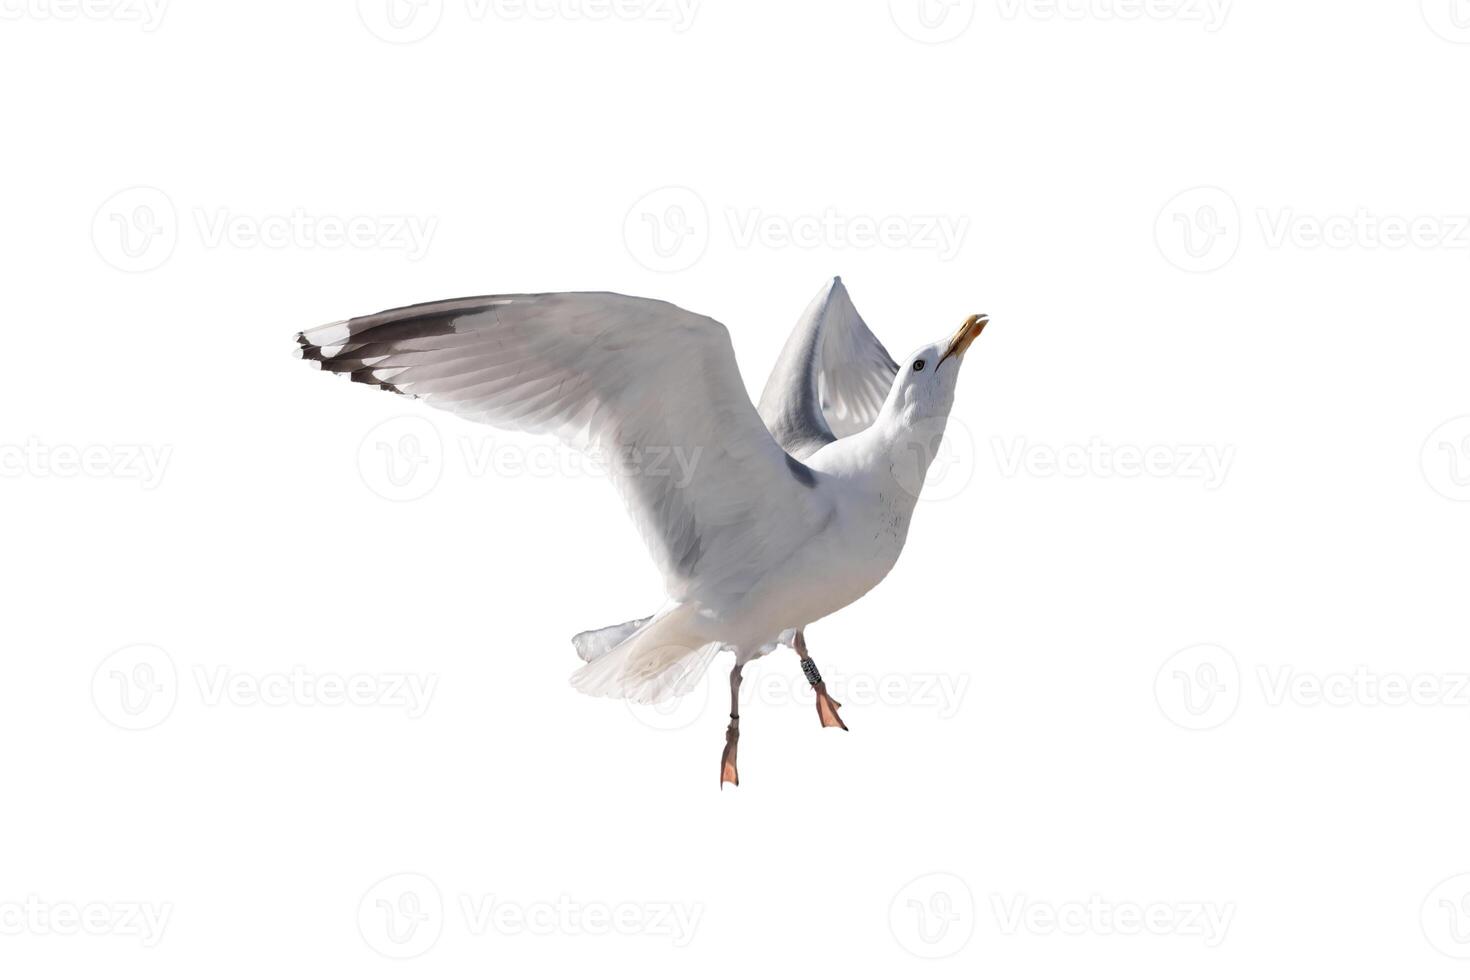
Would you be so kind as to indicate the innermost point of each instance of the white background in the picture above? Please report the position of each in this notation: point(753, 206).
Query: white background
point(1078, 768)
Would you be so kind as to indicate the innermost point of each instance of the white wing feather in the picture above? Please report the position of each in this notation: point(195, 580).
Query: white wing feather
point(654, 390)
point(831, 379)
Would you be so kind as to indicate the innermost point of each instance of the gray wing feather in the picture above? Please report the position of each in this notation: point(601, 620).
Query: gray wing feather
point(831, 379)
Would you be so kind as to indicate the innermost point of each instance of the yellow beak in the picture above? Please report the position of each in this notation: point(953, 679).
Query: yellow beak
point(968, 331)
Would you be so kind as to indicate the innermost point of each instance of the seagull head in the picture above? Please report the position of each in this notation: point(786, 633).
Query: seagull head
point(924, 386)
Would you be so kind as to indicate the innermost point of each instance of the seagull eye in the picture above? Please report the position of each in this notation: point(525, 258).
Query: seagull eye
point(919, 364)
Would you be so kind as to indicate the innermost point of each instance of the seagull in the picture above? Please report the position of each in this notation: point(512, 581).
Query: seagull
point(782, 514)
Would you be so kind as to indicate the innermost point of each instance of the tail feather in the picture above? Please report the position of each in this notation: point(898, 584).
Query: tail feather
point(659, 660)
point(596, 643)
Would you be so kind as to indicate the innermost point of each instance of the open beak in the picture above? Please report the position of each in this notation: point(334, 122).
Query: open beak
point(965, 337)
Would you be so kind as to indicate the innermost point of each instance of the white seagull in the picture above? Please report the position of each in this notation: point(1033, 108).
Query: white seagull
point(780, 515)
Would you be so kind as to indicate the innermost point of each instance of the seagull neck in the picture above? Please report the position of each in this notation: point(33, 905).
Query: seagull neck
point(900, 449)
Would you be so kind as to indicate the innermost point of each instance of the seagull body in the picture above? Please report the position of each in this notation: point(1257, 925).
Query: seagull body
point(786, 514)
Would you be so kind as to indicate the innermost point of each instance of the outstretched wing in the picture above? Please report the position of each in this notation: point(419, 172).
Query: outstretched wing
point(649, 388)
point(831, 379)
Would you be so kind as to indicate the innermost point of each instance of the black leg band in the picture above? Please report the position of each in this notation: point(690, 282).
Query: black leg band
point(809, 668)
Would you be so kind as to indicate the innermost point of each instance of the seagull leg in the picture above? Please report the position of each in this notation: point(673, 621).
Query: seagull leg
point(826, 707)
point(728, 772)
